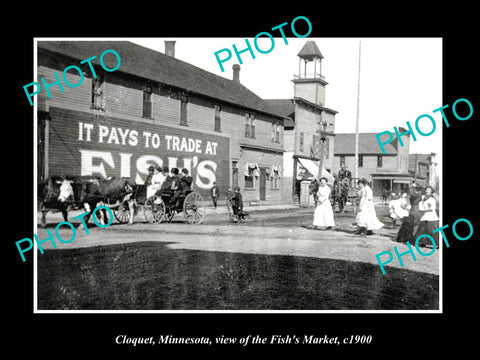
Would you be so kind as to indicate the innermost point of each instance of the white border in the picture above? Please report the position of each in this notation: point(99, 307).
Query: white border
point(35, 279)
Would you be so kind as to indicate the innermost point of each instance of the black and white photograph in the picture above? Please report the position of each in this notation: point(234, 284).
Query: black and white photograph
point(272, 188)
point(217, 198)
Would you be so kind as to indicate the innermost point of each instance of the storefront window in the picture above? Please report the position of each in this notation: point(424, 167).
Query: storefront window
point(250, 173)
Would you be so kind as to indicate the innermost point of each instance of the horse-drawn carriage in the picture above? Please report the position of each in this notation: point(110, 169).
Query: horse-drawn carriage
point(159, 207)
point(121, 195)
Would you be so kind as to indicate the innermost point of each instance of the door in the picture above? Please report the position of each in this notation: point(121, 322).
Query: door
point(234, 175)
point(263, 183)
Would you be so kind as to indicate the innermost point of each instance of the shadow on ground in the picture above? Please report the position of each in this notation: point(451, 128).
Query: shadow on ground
point(150, 276)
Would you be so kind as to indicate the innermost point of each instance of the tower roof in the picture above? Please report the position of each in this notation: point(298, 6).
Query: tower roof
point(310, 51)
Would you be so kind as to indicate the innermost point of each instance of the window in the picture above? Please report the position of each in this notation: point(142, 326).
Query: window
point(379, 161)
point(248, 182)
point(249, 125)
point(183, 110)
point(276, 132)
point(218, 123)
point(251, 170)
point(147, 102)
point(342, 160)
point(360, 160)
point(98, 92)
point(275, 178)
point(302, 139)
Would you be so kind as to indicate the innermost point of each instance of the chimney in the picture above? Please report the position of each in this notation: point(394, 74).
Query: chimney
point(170, 48)
point(236, 73)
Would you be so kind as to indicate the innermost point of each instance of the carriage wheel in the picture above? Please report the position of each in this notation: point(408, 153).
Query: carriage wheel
point(193, 210)
point(154, 210)
point(122, 213)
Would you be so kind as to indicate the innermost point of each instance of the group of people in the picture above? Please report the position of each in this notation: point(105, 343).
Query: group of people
point(416, 210)
point(235, 199)
point(366, 218)
point(174, 183)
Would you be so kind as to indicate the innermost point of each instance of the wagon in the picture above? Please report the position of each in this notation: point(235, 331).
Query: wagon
point(158, 209)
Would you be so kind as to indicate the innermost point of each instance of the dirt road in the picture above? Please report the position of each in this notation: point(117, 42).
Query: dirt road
point(273, 232)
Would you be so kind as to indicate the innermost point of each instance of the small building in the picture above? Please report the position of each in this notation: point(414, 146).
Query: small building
point(154, 110)
point(423, 167)
point(387, 171)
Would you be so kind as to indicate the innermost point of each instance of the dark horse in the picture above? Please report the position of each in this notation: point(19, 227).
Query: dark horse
point(340, 193)
point(57, 193)
point(106, 191)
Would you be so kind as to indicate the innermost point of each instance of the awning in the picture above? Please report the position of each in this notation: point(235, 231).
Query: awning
point(401, 181)
point(312, 168)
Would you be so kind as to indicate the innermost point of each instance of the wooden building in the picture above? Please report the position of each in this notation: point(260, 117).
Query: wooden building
point(387, 171)
point(306, 113)
point(154, 110)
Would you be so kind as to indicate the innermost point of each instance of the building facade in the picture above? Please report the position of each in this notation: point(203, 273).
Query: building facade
point(307, 116)
point(154, 110)
point(387, 171)
point(423, 167)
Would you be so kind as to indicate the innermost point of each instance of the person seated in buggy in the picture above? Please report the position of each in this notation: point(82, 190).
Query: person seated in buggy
point(184, 187)
point(237, 206)
point(169, 185)
point(154, 183)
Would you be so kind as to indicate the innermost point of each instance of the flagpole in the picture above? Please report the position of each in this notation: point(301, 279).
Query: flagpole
point(355, 176)
point(358, 114)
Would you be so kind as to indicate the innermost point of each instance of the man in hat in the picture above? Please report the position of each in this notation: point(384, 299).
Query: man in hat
point(148, 181)
point(214, 193)
point(184, 186)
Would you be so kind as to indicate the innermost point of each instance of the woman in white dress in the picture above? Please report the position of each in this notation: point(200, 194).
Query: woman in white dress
point(399, 208)
point(323, 216)
point(367, 220)
point(429, 220)
point(157, 180)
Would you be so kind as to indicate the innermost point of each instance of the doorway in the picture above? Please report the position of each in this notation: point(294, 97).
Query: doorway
point(234, 175)
point(263, 184)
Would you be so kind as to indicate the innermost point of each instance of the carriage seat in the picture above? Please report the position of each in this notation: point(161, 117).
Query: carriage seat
point(183, 195)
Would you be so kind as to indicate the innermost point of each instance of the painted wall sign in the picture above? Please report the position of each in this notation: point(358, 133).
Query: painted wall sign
point(78, 145)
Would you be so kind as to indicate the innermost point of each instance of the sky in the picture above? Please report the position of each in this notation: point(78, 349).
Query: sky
point(401, 78)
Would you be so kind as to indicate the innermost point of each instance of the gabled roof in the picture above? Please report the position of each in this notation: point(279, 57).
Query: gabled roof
point(310, 51)
point(284, 107)
point(155, 66)
point(367, 145)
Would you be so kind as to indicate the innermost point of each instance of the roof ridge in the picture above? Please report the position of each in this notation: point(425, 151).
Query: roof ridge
point(156, 66)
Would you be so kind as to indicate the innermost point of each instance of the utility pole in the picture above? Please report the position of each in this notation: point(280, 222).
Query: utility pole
point(322, 139)
point(358, 114)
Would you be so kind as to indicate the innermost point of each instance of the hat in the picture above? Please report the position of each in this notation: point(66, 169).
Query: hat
point(151, 168)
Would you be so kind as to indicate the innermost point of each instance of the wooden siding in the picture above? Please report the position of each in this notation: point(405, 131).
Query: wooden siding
point(123, 104)
point(74, 151)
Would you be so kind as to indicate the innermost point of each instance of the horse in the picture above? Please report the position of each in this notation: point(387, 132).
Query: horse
point(340, 193)
point(112, 189)
point(313, 190)
point(58, 194)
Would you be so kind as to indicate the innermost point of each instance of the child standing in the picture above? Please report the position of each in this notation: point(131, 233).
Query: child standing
point(237, 205)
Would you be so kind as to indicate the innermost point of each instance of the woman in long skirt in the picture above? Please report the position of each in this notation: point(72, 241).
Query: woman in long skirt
point(429, 220)
point(367, 220)
point(323, 216)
